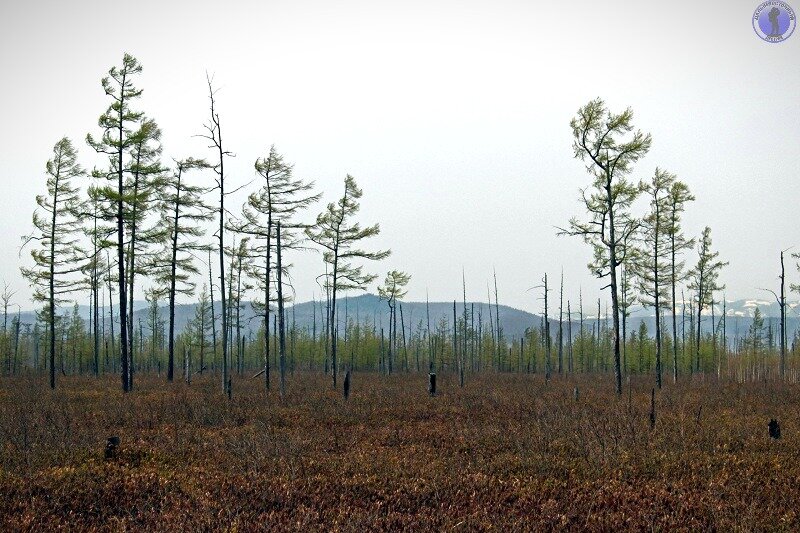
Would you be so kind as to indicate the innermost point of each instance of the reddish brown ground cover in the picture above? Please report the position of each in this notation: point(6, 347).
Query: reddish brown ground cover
point(505, 453)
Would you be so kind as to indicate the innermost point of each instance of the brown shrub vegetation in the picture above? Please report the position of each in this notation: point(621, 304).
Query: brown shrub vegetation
point(505, 453)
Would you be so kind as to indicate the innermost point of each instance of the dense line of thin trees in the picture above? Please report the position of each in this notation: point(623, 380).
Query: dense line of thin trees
point(726, 349)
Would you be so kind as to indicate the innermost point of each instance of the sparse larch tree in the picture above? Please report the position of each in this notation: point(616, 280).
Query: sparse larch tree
point(602, 140)
point(393, 290)
point(57, 224)
point(281, 198)
point(679, 195)
point(339, 236)
point(181, 213)
point(652, 265)
point(143, 181)
point(201, 326)
point(116, 140)
point(703, 281)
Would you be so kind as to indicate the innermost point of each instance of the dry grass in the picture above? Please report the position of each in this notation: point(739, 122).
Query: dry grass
point(505, 453)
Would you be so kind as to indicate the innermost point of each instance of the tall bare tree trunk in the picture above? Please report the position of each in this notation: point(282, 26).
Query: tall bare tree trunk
point(783, 319)
point(497, 317)
point(570, 362)
point(430, 339)
point(281, 325)
point(215, 136)
point(455, 338)
point(546, 334)
point(491, 329)
point(213, 314)
point(465, 332)
point(561, 326)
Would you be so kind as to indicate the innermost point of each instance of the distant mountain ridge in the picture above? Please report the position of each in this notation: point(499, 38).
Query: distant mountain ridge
point(369, 308)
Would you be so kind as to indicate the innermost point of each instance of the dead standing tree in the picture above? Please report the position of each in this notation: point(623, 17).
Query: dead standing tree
point(547, 340)
point(497, 319)
point(548, 365)
point(781, 299)
point(561, 325)
point(466, 334)
point(601, 139)
point(214, 136)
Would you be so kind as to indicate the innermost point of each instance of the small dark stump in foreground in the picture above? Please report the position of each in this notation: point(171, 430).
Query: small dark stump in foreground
point(347, 385)
point(112, 445)
point(774, 429)
point(432, 384)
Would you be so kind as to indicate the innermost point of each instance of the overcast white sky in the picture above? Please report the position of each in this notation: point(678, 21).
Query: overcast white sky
point(452, 116)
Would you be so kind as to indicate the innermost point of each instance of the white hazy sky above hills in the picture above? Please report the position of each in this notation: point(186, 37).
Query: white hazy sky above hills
point(452, 116)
